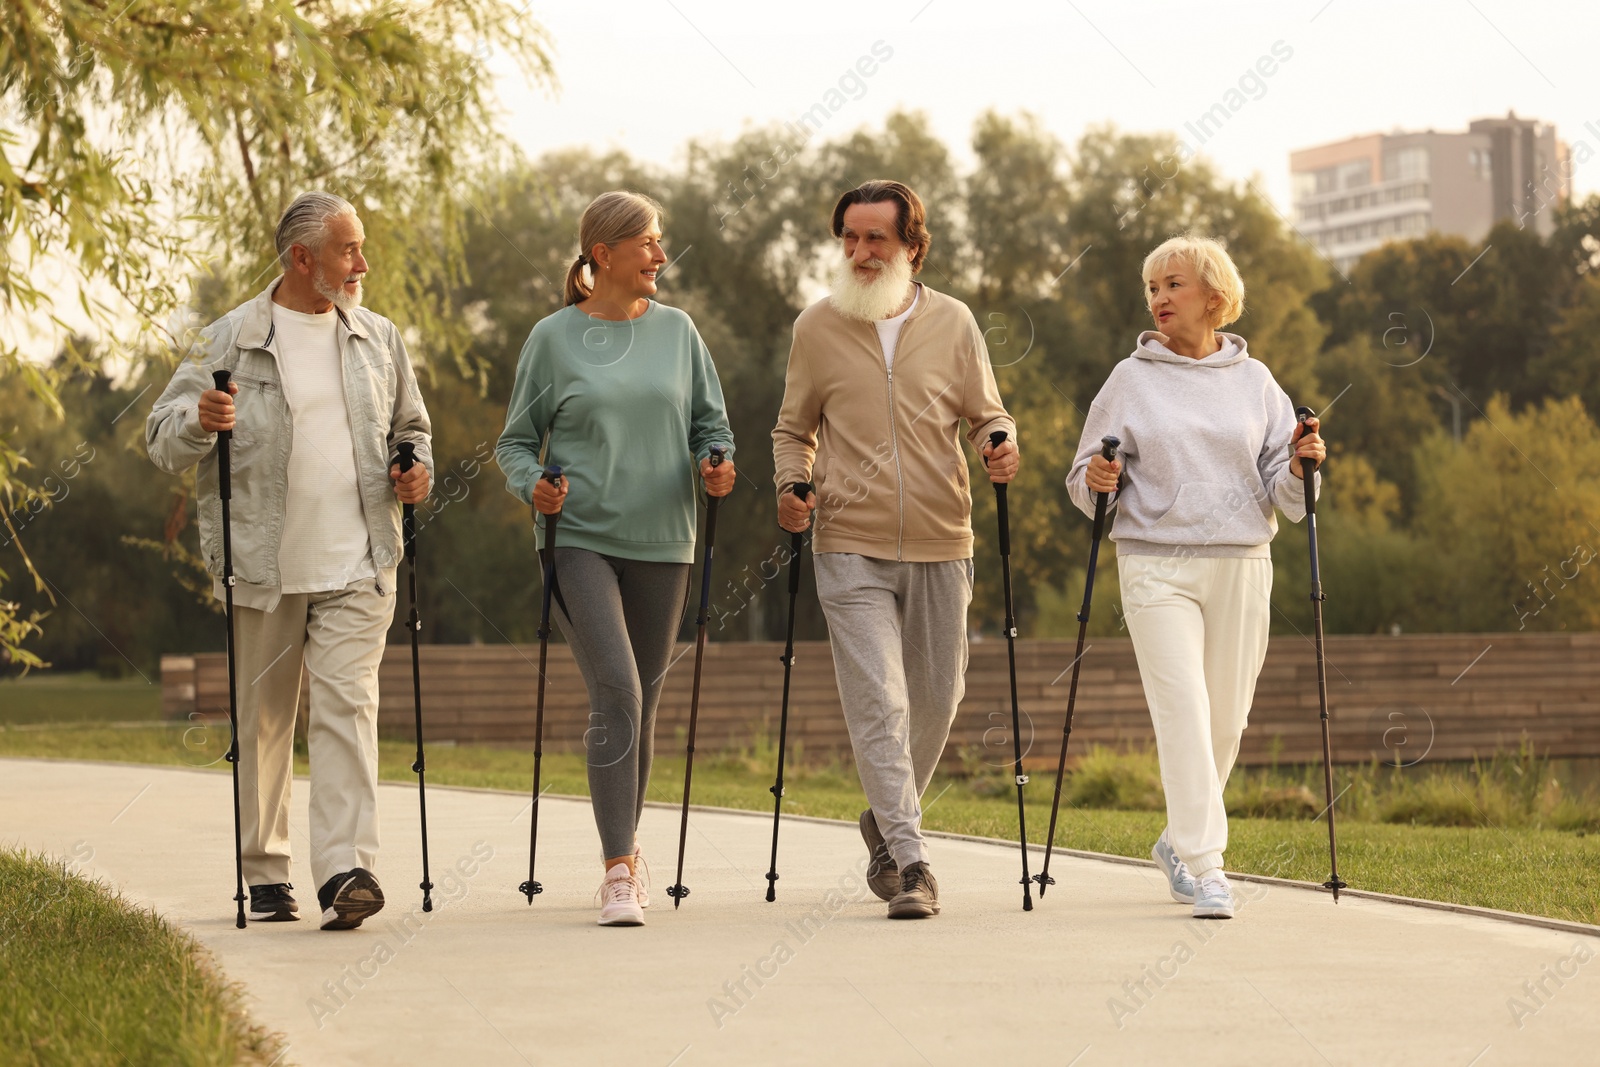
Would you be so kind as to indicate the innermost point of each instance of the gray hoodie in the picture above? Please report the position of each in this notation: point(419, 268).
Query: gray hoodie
point(1205, 452)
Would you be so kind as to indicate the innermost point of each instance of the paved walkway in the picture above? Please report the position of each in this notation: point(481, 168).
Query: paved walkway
point(1105, 970)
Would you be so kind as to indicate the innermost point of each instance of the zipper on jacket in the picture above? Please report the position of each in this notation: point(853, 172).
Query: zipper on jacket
point(899, 476)
point(894, 441)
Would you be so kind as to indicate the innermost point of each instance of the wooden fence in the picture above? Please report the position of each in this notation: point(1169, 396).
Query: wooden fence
point(1443, 697)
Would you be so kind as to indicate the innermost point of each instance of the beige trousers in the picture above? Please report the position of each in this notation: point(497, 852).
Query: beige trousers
point(338, 639)
point(1199, 629)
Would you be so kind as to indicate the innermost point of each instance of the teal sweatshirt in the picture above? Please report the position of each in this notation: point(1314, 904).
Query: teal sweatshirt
point(628, 409)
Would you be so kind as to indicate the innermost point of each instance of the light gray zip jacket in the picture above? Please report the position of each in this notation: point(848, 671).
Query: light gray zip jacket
point(385, 408)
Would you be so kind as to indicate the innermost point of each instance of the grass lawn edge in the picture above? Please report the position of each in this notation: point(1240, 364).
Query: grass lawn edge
point(1521, 918)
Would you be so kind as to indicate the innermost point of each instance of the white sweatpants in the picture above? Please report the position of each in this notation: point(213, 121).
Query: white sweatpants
point(1199, 629)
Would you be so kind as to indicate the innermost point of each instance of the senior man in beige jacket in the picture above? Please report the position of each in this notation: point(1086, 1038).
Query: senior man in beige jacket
point(881, 374)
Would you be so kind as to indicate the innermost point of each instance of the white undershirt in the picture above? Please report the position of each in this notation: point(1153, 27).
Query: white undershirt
point(325, 544)
point(889, 329)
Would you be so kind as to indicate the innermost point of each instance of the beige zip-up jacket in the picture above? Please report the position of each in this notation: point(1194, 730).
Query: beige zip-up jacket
point(883, 448)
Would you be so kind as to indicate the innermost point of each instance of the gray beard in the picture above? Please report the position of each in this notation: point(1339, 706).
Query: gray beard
point(341, 299)
point(871, 301)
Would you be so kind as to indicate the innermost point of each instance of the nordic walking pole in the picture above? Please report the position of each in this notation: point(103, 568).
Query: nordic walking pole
point(552, 474)
point(408, 459)
point(1108, 452)
point(1309, 468)
point(225, 485)
point(796, 545)
point(996, 439)
point(677, 890)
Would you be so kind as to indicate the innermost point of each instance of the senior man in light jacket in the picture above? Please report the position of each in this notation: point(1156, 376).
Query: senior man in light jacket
point(322, 394)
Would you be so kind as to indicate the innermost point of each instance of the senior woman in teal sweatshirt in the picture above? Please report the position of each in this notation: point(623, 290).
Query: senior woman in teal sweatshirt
point(1211, 446)
point(622, 394)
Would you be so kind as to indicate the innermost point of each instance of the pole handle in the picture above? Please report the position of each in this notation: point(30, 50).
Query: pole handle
point(1309, 466)
point(718, 454)
point(220, 379)
point(1108, 452)
point(406, 458)
point(997, 439)
point(801, 490)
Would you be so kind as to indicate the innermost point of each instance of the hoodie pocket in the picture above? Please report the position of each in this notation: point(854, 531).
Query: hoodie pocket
point(1214, 513)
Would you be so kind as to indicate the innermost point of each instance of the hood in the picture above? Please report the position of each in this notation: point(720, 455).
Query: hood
point(1151, 347)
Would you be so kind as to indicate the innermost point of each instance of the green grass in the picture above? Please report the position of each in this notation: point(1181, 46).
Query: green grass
point(86, 978)
point(1524, 862)
point(85, 697)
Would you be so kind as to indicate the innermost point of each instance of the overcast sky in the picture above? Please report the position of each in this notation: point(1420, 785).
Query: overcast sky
point(646, 75)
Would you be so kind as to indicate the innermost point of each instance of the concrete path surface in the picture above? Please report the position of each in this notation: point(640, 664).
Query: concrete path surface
point(1105, 970)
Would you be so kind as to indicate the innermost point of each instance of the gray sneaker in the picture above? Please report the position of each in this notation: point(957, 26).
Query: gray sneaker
point(919, 894)
point(1213, 897)
point(883, 874)
point(1179, 880)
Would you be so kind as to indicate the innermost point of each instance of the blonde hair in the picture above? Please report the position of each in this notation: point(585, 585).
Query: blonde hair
point(1209, 258)
point(609, 218)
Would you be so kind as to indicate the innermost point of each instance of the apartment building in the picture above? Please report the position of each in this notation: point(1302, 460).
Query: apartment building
point(1354, 195)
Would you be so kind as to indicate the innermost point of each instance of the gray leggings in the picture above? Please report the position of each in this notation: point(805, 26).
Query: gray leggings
point(620, 616)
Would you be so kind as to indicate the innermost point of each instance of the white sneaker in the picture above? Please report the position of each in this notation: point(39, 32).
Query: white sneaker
point(1213, 898)
point(641, 882)
point(619, 903)
point(1179, 881)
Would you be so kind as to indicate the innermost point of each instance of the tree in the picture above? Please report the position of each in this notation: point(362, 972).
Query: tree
point(147, 141)
point(1571, 363)
point(1513, 515)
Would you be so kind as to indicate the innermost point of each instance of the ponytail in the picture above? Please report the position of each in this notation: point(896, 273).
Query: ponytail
point(576, 288)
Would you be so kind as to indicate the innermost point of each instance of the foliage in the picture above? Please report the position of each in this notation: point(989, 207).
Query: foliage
point(1044, 242)
point(151, 143)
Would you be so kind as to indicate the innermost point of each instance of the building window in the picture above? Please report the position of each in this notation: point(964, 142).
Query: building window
point(1481, 162)
point(1406, 164)
point(1355, 173)
point(1305, 184)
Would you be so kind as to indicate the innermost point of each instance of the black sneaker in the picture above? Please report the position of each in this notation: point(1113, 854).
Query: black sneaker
point(273, 904)
point(883, 874)
point(349, 898)
point(919, 894)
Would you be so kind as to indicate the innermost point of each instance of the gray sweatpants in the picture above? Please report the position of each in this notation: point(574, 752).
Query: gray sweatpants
point(899, 638)
point(620, 617)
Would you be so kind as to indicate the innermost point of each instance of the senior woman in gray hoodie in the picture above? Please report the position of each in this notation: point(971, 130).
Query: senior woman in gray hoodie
point(1210, 445)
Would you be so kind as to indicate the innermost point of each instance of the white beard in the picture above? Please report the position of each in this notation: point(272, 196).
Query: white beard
point(342, 300)
point(877, 298)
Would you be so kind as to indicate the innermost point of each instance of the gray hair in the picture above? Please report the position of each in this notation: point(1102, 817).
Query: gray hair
point(305, 222)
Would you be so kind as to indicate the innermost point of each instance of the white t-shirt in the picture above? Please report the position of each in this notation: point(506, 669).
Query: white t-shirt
point(325, 544)
point(889, 329)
